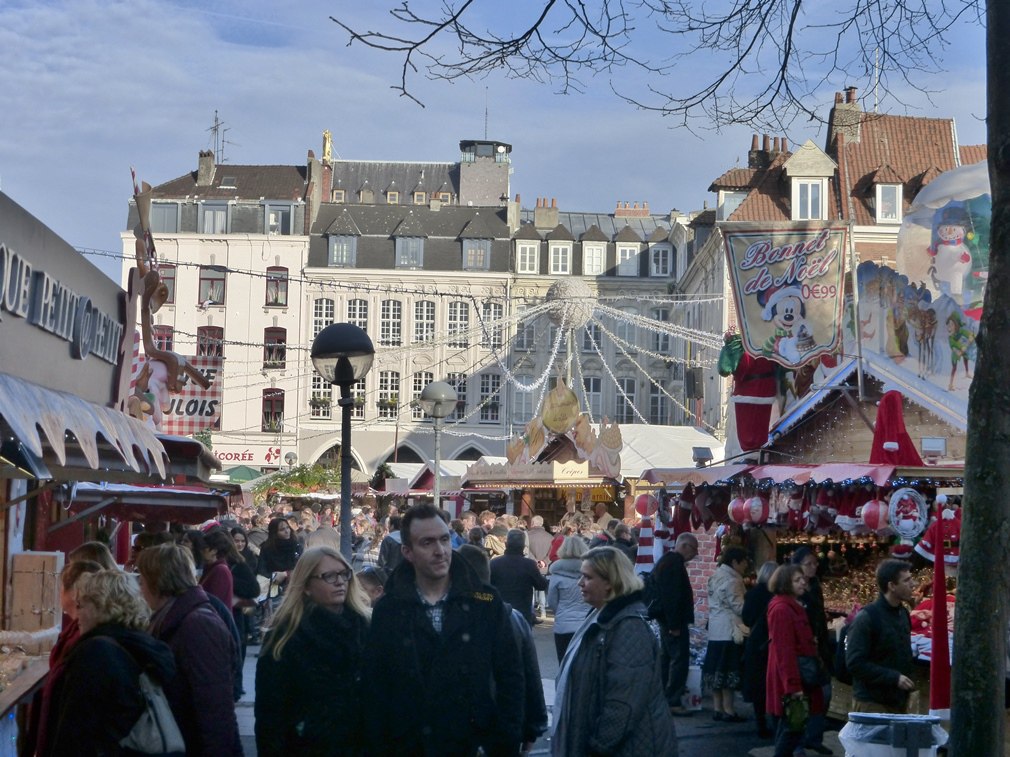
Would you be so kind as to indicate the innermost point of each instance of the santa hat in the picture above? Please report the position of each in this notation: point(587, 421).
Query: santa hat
point(891, 443)
point(773, 297)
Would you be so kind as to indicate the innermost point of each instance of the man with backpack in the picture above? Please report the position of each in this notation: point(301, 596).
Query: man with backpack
point(673, 607)
point(878, 651)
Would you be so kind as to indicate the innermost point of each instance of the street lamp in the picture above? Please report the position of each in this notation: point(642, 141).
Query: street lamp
point(438, 400)
point(342, 354)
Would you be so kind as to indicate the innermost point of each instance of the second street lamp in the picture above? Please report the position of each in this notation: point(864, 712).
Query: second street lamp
point(438, 400)
point(342, 354)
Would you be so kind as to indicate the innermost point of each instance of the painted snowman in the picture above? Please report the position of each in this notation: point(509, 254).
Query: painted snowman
point(949, 251)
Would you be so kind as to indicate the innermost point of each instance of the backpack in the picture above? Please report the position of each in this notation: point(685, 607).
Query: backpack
point(155, 731)
point(841, 671)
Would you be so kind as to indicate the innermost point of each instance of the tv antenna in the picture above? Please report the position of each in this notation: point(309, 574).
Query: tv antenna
point(218, 130)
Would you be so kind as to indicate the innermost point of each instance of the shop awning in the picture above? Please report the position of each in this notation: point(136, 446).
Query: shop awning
point(75, 439)
point(697, 476)
point(146, 503)
point(818, 474)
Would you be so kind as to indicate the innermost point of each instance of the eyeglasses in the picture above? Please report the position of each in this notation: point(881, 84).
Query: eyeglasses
point(334, 576)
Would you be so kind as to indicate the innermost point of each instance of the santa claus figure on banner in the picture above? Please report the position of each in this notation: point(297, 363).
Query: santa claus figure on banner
point(755, 386)
point(946, 527)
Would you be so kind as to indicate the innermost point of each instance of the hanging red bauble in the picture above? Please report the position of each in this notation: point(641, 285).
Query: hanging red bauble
point(646, 505)
point(739, 511)
point(873, 515)
point(757, 510)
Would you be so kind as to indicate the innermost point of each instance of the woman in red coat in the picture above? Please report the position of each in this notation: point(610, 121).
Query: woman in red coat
point(789, 637)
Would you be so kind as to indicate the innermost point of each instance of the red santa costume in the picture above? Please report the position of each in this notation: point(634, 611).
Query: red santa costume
point(755, 384)
point(946, 528)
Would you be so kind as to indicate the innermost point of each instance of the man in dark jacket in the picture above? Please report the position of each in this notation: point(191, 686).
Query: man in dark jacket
point(441, 655)
point(878, 648)
point(390, 550)
point(516, 577)
point(676, 602)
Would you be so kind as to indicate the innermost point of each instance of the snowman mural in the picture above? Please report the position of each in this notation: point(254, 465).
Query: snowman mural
point(950, 254)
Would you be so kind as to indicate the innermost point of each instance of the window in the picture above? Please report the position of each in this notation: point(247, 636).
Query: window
point(167, 273)
point(626, 403)
point(410, 252)
point(343, 251)
point(321, 398)
point(561, 259)
point(424, 321)
point(209, 341)
point(459, 324)
point(626, 330)
point(421, 380)
point(729, 202)
point(322, 315)
point(392, 198)
point(390, 323)
point(278, 219)
point(357, 313)
point(275, 347)
point(228, 182)
point(164, 217)
point(358, 395)
point(214, 219)
point(420, 198)
point(476, 254)
point(660, 261)
point(273, 410)
point(888, 203)
point(627, 260)
point(527, 257)
point(338, 195)
point(458, 382)
point(164, 337)
point(490, 384)
point(593, 386)
point(389, 393)
point(661, 339)
point(491, 334)
point(592, 334)
point(522, 402)
point(277, 286)
point(593, 257)
point(212, 285)
point(659, 404)
point(444, 196)
point(524, 334)
point(808, 199)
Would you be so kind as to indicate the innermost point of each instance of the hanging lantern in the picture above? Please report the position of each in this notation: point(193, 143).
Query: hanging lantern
point(874, 515)
point(757, 510)
point(739, 511)
point(646, 505)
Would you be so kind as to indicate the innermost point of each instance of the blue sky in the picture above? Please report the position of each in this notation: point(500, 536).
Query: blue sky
point(90, 87)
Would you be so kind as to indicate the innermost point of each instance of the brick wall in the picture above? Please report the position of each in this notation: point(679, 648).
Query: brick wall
point(699, 570)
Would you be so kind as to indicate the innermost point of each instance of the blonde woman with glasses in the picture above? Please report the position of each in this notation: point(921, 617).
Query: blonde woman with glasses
point(308, 673)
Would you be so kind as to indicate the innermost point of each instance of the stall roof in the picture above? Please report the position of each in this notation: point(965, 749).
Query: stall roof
point(801, 474)
point(814, 399)
point(73, 439)
point(182, 504)
point(697, 476)
point(654, 446)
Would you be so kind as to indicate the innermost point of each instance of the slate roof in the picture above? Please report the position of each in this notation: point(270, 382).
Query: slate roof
point(661, 234)
point(527, 231)
point(481, 226)
point(608, 224)
point(343, 225)
point(560, 234)
point(627, 234)
point(250, 183)
point(408, 177)
point(593, 234)
point(410, 225)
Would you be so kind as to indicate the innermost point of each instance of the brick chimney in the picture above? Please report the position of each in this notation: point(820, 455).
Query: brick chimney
point(761, 158)
point(545, 216)
point(631, 212)
point(846, 116)
point(205, 169)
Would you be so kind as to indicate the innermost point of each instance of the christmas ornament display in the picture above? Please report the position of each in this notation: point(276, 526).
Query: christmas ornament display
point(646, 505)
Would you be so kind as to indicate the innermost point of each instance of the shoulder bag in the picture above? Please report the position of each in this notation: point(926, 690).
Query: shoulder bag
point(155, 731)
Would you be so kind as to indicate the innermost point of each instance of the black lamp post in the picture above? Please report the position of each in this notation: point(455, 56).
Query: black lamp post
point(342, 354)
point(438, 400)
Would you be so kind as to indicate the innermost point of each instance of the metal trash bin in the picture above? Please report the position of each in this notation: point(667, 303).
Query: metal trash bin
point(873, 734)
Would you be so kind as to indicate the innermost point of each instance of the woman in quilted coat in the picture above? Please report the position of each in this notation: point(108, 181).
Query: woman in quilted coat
point(609, 695)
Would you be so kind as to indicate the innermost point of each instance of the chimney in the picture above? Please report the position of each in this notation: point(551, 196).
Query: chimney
point(846, 117)
point(850, 95)
point(205, 169)
point(758, 158)
point(838, 98)
point(545, 217)
point(785, 145)
point(754, 142)
point(631, 211)
point(776, 146)
point(766, 143)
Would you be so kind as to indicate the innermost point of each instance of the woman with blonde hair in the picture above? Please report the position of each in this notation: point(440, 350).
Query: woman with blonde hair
point(609, 694)
point(307, 676)
point(97, 699)
point(564, 596)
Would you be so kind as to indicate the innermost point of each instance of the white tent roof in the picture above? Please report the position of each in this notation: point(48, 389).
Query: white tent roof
point(663, 447)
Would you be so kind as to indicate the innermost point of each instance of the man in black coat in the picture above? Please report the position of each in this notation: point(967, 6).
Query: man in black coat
point(443, 674)
point(516, 577)
point(676, 601)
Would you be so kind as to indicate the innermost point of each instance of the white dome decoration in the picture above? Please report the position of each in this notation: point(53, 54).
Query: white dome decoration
point(571, 303)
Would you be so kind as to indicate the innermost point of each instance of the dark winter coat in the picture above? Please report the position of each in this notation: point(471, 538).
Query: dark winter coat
point(217, 581)
point(390, 551)
point(97, 700)
point(613, 697)
point(673, 585)
point(878, 651)
point(535, 708)
point(201, 694)
point(278, 556)
point(813, 603)
point(516, 578)
point(755, 653)
point(244, 583)
point(309, 702)
point(442, 694)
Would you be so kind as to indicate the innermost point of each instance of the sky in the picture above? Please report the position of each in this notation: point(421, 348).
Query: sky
point(89, 88)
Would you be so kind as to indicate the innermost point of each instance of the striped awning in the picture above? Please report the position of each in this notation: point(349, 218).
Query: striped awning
point(75, 438)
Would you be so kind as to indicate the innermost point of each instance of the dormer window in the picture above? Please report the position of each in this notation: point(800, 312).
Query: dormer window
point(444, 197)
point(228, 182)
point(888, 203)
point(338, 195)
point(392, 198)
point(420, 198)
point(809, 197)
point(728, 202)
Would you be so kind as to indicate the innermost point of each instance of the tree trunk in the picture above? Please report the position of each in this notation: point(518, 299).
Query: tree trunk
point(984, 579)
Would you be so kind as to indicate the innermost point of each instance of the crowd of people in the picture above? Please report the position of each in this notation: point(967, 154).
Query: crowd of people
point(420, 643)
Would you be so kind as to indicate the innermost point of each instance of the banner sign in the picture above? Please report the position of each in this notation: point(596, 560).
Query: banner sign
point(195, 408)
point(788, 288)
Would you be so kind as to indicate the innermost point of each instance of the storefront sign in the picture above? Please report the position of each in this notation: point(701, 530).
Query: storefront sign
point(555, 472)
point(788, 288)
point(195, 408)
point(262, 455)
